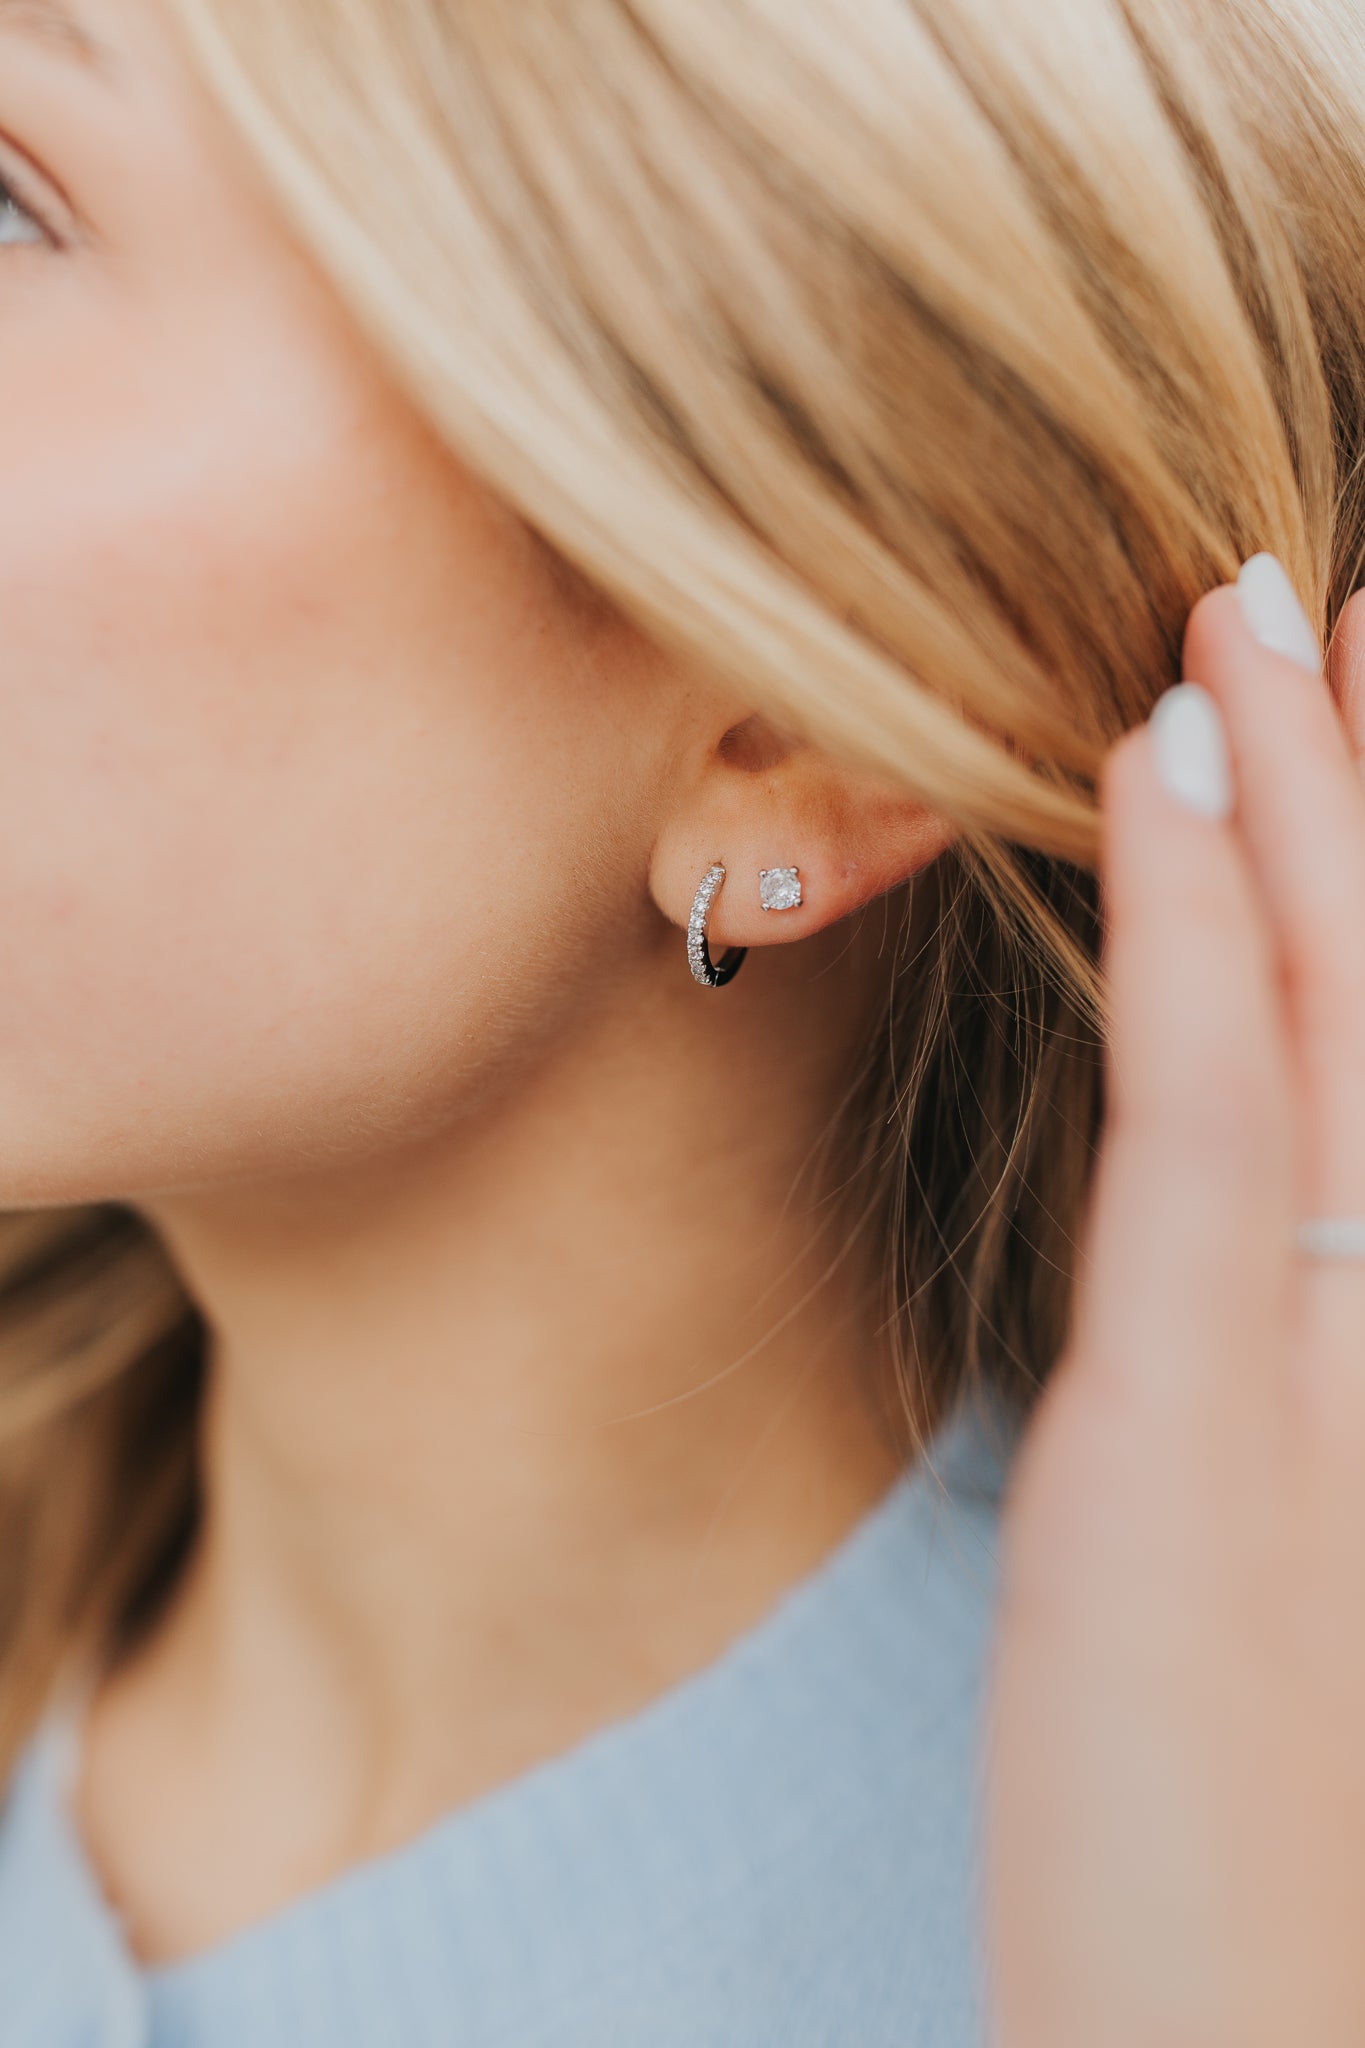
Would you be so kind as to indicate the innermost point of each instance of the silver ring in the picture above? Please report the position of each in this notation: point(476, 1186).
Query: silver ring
point(1332, 1237)
point(698, 952)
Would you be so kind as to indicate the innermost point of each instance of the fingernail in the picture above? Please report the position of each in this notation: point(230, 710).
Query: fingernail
point(1271, 608)
point(1191, 747)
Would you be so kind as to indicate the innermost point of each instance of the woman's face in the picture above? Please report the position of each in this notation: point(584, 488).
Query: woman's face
point(318, 793)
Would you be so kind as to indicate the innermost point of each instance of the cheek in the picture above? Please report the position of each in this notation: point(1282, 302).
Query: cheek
point(293, 789)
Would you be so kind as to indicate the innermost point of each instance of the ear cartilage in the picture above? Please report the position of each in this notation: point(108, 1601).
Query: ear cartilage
point(779, 888)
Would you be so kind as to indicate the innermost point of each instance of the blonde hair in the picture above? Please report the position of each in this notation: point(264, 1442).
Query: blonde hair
point(917, 366)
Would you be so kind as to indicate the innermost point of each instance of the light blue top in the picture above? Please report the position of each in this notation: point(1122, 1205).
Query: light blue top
point(780, 1852)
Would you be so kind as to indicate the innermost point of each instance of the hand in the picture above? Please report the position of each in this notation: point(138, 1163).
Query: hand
point(1175, 1795)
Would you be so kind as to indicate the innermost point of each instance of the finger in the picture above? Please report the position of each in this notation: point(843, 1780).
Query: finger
point(1301, 809)
point(1300, 802)
point(1185, 1283)
point(1302, 813)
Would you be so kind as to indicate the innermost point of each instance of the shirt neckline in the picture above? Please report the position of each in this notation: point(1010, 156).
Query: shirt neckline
point(706, 1782)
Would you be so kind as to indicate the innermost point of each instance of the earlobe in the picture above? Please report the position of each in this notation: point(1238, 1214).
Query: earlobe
point(741, 900)
point(800, 839)
point(778, 889)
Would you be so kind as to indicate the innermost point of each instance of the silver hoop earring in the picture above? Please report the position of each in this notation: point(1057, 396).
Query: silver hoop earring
point(699, 959)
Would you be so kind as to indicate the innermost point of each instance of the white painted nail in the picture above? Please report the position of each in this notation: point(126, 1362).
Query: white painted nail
point(1271, 608)
point(1191, 746)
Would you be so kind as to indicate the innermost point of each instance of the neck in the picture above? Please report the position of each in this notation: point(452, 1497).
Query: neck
point(504, 1434)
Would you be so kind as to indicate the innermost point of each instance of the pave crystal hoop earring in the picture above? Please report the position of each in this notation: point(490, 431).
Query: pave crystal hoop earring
point(699, 959)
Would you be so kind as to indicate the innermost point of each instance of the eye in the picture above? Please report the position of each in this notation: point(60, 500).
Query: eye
point(17, 224)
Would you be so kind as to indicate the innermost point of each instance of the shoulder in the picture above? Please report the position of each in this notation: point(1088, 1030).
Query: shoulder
point(803, 1832)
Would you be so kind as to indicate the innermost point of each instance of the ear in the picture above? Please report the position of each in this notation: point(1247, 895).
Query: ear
point(756, 799)
point(1346, 670)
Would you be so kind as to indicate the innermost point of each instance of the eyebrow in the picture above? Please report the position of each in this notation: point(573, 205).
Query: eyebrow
point(53, 22)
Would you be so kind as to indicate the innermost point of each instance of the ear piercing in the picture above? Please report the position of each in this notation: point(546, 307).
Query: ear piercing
point(778, 889)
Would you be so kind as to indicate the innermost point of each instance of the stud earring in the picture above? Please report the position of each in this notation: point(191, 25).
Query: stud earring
point(779, 888)
point(698, 952)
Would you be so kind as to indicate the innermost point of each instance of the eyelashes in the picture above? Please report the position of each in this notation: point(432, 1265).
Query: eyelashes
point(21, 221)
point(17, 224)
